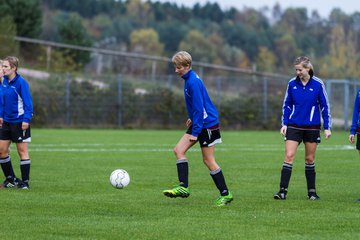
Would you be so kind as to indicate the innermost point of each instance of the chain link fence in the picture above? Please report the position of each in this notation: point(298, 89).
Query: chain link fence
point(120, 90)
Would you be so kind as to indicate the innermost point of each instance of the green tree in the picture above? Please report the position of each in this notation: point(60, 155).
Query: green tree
point(7, 33)
point(138, 11)
point(343, 60)
point(71, 31)
point(286, 50)
point(27, 16)
point(199, 46)
point(266, 60)
point(146, 41)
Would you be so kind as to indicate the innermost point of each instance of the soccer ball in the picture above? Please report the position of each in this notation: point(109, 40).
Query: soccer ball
point(119, 178)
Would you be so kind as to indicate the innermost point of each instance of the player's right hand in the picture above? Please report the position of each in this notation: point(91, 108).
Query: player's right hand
point(283, 130)
point(352, 138)
point(188, 122)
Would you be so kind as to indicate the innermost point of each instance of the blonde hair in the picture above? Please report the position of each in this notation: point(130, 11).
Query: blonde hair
point(305, 62)
point(13, 61)
point(182, 58)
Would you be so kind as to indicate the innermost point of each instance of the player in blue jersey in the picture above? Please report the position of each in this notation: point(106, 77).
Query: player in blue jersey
point(203, 127)
point(15, 116)
point(305, 103)
point(355, 126)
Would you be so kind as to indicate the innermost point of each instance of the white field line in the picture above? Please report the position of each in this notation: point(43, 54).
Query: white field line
point(94, 147)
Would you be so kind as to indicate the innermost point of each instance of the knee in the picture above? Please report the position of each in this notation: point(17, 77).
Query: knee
point(289, 157)
point(178, 154)
point(4, 150)
point(309, 160)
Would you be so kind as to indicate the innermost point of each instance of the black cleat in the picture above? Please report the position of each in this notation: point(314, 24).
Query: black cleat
point(281, 195)
point(313, 196)
point(10, 183)
point(23, 185)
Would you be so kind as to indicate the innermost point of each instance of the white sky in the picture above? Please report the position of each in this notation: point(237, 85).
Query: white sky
point(323, 7)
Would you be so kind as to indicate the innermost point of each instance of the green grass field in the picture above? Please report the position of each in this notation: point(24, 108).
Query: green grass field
point(71, 197)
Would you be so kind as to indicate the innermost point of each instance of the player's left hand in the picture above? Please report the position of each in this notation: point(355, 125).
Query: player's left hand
point(327, 133)
point(24, 126)
point(192, 138)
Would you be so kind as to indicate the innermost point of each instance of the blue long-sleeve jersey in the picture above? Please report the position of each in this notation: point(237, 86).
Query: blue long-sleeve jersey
point(355, 125)
point(200, 108)
point(17, 105)
point(304, 105)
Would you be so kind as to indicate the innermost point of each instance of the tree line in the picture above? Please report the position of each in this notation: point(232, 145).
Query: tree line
point(267, 39)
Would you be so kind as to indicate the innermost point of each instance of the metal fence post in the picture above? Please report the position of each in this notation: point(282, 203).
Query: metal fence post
point(119, 100)
point(346, 104)
point(67, 100)
point(265, 99)
point(218, 92)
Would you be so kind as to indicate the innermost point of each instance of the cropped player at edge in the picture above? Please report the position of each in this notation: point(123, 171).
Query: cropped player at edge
point(203, 127)
point(355, 126)
point(304, 104)
point(15, 115)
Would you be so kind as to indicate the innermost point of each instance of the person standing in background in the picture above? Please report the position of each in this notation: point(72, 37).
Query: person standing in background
point(16, 113)
point(203, 127)
point(304, 103)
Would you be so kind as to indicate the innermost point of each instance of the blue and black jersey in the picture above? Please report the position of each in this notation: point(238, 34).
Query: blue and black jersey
point(17, 105)
point(200, 108)
point(304, 105)
point(355, 126)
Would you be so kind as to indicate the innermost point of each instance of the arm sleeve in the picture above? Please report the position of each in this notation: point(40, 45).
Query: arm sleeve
point(287, 107)
point(1, 105)
point(355, 115)
point(27, 101)
point(325, 107)
point(198, 108)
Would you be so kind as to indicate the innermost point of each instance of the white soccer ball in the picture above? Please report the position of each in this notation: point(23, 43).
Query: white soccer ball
point(119, 178)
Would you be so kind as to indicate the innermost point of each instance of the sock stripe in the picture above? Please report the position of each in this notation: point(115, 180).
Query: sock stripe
point(215, 171)
point(24, 162)
point(287, 166)
point(181, 161)
point(5, 160)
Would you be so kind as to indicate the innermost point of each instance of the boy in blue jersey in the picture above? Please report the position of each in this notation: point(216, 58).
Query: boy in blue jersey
point(304, 103)
point(203, 127)
point(355, 126)
point(15, 115)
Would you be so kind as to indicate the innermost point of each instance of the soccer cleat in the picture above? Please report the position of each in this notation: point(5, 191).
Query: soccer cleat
point(223, 200)
point(23, 185)
point(178, 191)
point(313, 196)
point(281, 195)
point(358, 200)
point(10, 183)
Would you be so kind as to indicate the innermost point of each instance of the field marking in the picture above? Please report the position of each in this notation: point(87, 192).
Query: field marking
point(221, 148)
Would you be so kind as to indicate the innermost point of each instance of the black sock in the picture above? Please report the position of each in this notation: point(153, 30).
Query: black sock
point(183, 172)
point(285, 176)
point(7, 167)
point(25, 169)
point(219, 181)
point(310, 176)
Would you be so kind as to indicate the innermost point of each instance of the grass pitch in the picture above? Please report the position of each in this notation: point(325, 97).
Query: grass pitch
point(71, 197)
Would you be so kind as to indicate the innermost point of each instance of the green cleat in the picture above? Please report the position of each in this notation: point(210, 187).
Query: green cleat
point(178, 191)
point(223, 200)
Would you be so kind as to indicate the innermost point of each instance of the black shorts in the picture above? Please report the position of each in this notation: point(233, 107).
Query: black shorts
point(357, 142)
point(13, 132)
point(208, 136)
point(303, 135)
